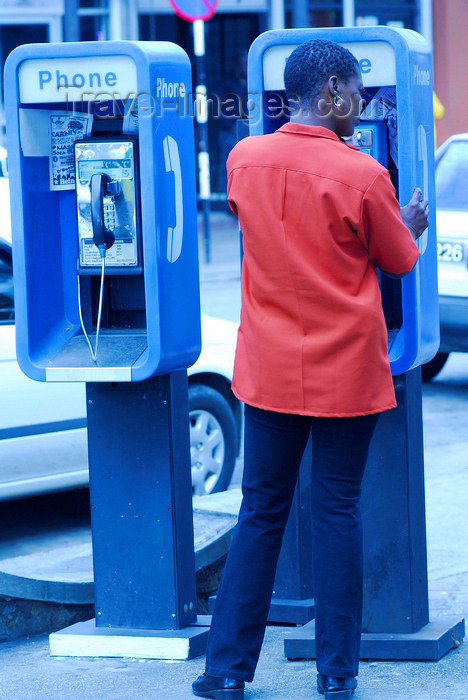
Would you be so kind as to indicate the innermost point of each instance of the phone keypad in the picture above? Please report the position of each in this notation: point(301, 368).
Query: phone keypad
point(109, 213)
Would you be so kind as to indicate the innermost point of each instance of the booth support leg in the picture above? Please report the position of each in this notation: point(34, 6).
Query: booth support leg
point(142, 524)
point(396, 609)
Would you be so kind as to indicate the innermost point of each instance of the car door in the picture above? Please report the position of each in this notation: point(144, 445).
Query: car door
point(42, 426)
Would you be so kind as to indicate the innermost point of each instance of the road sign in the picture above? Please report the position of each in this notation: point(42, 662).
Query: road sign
point(190, 10)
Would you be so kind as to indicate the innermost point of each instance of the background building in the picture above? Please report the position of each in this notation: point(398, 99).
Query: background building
point(232, 30)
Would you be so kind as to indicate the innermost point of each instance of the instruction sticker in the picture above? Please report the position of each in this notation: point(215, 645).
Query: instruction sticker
point(64, 130)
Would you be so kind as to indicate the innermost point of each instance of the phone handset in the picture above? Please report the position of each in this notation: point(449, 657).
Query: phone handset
point(175, 233)
point(102, 236)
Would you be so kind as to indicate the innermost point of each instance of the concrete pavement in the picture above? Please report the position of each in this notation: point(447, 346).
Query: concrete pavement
point(28, 671)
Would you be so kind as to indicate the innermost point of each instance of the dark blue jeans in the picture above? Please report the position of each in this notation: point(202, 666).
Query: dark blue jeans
point(273, 449)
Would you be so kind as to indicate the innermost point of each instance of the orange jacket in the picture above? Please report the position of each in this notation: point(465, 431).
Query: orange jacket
point(317, 218)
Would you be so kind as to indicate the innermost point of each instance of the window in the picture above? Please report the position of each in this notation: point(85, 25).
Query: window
point(321, 13)
point(325, 14)
point(396, 13)
point(329, 13)
point(94, 20)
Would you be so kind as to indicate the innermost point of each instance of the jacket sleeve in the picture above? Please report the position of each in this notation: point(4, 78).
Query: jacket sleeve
point(382, 231)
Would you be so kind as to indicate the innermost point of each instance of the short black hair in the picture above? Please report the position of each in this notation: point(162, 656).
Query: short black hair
point(312, 62)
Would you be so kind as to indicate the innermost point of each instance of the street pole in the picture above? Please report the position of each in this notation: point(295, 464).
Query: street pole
point(201, 115)
point(348, 13)
point(71, 21)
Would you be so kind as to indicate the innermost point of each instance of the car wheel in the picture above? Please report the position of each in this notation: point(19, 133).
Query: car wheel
point(213, 440)
point(433, 367)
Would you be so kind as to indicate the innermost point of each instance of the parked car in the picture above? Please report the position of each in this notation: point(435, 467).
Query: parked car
point(43, 445)
point(452, 250)
point(3, 162)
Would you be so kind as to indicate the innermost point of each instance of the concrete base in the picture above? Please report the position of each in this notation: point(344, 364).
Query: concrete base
point(429, 643)
point(292, 612)
point(286, 611)
point(85, 639)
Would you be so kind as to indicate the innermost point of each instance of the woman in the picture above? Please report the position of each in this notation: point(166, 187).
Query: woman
point(318, 217)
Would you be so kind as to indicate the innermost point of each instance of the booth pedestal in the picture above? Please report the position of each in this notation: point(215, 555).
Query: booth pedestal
point(396, 621)
point(142, 524)
point(429, 643)
point(85, 639)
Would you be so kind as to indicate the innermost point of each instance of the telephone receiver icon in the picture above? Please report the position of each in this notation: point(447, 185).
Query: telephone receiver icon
point(174, 234)
point(422, 158)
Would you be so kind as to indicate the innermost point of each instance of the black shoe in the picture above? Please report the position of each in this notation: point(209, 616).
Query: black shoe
point(217, 687)
point(335, 688)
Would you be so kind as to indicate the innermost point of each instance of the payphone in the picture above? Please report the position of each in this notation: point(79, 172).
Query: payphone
point(106, 287)
point(97, 133)
point(372, 138)
point(397, 129)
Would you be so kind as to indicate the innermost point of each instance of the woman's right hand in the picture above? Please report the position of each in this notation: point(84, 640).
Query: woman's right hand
point(415, 214)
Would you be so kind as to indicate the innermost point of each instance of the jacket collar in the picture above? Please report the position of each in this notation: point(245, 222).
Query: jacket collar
point(317, 131)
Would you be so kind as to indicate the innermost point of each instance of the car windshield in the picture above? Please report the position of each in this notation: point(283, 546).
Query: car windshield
point(452, 177)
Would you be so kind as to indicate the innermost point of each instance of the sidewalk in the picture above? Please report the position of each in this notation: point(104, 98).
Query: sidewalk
point(224, 248)
point(28, 671)
point(220, 278)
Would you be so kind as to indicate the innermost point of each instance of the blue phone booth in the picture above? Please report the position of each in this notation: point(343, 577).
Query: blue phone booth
point(396, 128)
point(102, 180)
point(118, 110)
point(397, 75)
